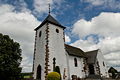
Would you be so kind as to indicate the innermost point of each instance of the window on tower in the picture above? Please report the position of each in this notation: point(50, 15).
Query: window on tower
point(103, 64)
point(57, 30)
point(40, 34)
point(75, 62)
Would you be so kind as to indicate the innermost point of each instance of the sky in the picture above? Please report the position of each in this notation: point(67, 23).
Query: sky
point(90, 25)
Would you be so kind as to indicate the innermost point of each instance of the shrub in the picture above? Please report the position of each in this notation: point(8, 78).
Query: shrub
point(53, 76)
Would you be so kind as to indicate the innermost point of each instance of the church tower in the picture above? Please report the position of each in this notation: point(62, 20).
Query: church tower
point(49, 49)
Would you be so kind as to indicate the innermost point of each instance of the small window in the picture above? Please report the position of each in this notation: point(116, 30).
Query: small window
point(57, 30)
point(75, 62)
point(40, 34)
point(103, 64)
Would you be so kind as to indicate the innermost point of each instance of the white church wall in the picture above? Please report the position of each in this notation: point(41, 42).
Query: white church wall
point(76, 70)
point(40, 52)
point(57, 49)
point(101, 60)
point(68, 67)
point(95, 68)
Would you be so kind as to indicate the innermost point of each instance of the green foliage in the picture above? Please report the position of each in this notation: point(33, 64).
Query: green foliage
point(53, 76)
point(10, 58)
point(26, 75)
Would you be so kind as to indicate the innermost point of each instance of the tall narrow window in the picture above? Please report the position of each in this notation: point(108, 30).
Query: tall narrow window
point(103, 64)
point(40, 34)
point(75, 62)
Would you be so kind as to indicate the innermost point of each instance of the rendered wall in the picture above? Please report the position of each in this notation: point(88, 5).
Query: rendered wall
point(40, 52)
point(57, 49)
point(103, 69)
point(79, 71)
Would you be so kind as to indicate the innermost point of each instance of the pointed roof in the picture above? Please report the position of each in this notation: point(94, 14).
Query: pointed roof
point(51, 20)
point(74, 51)
point(92, 55)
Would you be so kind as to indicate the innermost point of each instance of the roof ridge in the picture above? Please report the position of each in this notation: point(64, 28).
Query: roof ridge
point(74, 47)
point(74, 51)
point(49, 16)
point(92, 50)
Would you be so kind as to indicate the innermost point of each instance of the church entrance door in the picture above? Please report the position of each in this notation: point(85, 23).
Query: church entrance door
point(38, 72)
point(91, 69)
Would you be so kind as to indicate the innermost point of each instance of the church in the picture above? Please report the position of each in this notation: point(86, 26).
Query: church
point(50, 51)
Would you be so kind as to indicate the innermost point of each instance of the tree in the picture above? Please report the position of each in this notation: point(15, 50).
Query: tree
point(10, 58)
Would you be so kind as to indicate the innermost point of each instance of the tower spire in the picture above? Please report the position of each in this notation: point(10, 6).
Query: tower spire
point(49, 6)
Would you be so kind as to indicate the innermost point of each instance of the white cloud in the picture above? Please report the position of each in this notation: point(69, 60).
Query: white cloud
point(106, 25)
point(41, 6)
point(111, 4)
point(85, 45)
point(82, 28)
point(6, 8)
point(113, 56)
point(19, 26)
point(110, 45)
point(67, 39)
point(96, 2)
point(19, 5)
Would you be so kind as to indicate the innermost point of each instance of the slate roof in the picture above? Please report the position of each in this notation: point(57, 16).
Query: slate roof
point(51, 20)
point(91, 55)
point(74, 51)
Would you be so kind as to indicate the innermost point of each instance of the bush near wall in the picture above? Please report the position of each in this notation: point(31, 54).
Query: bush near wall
point(26, 76)
point(53, 76)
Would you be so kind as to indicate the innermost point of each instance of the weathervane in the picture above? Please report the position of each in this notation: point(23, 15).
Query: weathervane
point(49, 6)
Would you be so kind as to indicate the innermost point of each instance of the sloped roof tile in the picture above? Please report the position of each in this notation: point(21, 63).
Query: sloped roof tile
point(74, 51)
point(51, 20)
point(91, 55)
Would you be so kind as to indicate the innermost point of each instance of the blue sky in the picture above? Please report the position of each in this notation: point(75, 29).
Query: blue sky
point(90, 24)
point(69, 9)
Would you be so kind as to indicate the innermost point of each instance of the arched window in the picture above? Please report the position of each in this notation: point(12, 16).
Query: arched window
point(57, 30)
point(75, 62)
point(38, 76)
point(54, 63)
point(40, 33)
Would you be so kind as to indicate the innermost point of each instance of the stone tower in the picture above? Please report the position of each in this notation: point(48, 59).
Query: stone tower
point(49, 49)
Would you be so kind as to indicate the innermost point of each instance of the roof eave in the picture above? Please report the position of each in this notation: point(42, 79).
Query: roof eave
point(77, 56)
point(48, 22)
